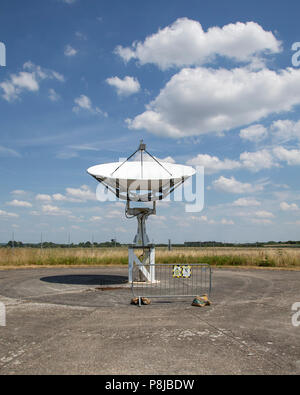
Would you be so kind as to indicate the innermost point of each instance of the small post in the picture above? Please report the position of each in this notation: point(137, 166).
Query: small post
point(130, 264)
point(13, 240)
point(41, 240)
point(152, 264)
point(169, 245)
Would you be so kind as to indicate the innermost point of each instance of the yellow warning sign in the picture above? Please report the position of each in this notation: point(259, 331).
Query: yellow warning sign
point(182, 271)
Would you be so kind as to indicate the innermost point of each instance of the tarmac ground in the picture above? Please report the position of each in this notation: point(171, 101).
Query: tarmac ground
point(80, 321)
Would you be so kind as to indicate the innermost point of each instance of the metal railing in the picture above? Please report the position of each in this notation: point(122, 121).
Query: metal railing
point(172, 280)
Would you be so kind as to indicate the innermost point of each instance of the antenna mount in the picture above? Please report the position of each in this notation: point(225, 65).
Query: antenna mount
point(142, 146)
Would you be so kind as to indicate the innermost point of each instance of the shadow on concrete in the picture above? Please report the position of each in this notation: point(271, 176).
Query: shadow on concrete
point(86, 279)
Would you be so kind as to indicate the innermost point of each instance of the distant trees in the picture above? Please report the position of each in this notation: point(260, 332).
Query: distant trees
point(207, 244)
point(48, 244)
point(16, 244)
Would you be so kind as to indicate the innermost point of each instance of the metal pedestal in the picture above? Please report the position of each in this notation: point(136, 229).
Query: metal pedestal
point(141, 242)
point(148, 258)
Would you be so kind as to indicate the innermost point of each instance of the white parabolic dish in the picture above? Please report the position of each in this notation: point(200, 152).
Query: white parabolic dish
point(141, 181)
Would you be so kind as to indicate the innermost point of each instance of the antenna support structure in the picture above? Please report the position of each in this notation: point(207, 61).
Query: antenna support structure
point(141, 181)
point(141, 239)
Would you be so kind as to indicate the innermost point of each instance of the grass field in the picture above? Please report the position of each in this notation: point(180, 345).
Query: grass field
point(261, 257)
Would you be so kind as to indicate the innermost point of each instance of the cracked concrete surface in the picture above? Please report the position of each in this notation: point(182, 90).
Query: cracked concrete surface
point(58, 323)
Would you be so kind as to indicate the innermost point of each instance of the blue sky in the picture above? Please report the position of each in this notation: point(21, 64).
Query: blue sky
point(209, 84)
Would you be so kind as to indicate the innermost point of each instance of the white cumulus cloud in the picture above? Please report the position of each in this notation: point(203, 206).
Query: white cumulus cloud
point(83, 193)
point(19, 203)
point(225, 221)
point(264, 214)
point(282, 131)
point(95, 218)
point(53, 95)
point(62, 198)
point(256, 161)
point(28, 80)
point(231, 185)
point(286, 130)
point(253, 161)
point(284, 206)
point(292, 157)
point(246, 202)
point(43, 197)
point(70, 51)
point(49, 209)
point(83, 102)
point(213, 164)
point(125, 87)
point(18, 192)
point(254, 133)
point(260, 221)
point(5, 214)
point(202, 100)
point(185, 43)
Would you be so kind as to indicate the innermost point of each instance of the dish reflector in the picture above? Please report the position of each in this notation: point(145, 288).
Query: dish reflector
point(141, 181)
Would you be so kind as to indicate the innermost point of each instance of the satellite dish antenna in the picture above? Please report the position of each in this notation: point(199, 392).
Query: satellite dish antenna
point(144, 180)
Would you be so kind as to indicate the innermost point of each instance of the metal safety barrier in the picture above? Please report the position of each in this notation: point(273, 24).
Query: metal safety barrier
point(171, 280)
